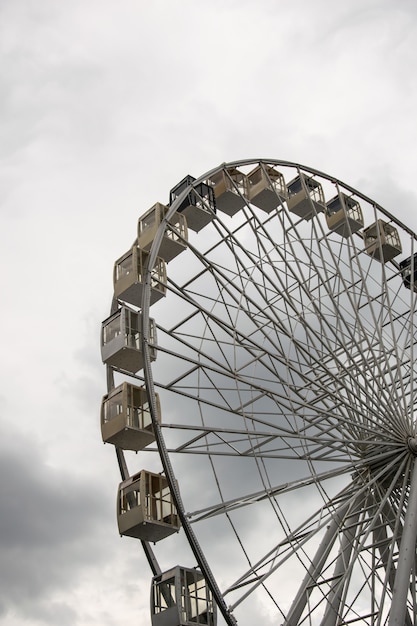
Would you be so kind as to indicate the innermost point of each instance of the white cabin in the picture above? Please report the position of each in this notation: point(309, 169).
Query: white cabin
point(180, 597)
point(382, 241)
point(121, 340)
point(126, 420)
point(344, 215)
point(230, 190)
point(175, 237)
point(266, 187)
point(129, 277)
point(305, 197)
point(145, 508)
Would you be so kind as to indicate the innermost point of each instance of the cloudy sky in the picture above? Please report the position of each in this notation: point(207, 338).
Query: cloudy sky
point(105, 106)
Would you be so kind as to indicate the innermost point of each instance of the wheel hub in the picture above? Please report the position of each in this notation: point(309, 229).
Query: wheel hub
point(412, 445)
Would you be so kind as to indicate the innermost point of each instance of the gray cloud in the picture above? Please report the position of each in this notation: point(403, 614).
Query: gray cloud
point(50, 529)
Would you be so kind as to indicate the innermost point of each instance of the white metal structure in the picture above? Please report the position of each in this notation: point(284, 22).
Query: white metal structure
point(285, 371)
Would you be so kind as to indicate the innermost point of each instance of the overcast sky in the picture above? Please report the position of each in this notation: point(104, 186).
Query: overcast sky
point(104, 107)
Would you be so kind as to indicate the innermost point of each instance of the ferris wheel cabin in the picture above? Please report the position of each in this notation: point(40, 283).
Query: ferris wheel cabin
point(344, 215)
point(145, 508)
point(121, 340)
point(266, 187)
point(199, 205)
point(176, 232)
point(382, 241)
point(408, 269)
point(305, 197)
point(230, 190)
point(180, 597)
point(126, 420)
point(129, 277)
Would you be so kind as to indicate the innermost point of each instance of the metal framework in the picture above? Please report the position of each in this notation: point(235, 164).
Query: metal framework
point(286, 350)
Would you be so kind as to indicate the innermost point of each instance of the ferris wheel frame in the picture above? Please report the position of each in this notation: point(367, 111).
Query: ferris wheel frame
point(406, 561)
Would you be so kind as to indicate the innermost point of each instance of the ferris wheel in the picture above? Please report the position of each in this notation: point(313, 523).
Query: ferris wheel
point(260, 354)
